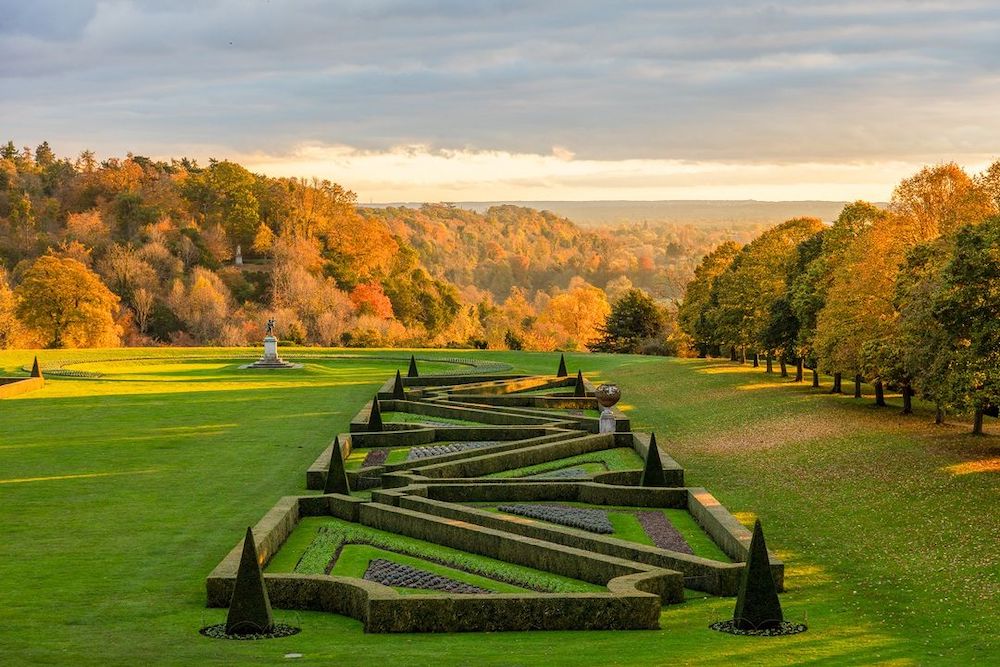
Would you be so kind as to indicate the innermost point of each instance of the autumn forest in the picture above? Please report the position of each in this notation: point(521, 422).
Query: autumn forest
point(145, 252)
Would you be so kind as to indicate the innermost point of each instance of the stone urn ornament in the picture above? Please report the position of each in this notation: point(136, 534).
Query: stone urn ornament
point(607, 395)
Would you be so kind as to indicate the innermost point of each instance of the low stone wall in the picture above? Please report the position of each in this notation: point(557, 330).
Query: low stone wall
point(485, 464)
point(731, 536)
point(517, 438)
point(699, 573)
point(383, 610)
point(16, 386)
point(434, 409)
point(632, 602)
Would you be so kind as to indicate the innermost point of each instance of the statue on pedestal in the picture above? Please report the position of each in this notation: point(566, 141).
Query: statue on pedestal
point(271, 358)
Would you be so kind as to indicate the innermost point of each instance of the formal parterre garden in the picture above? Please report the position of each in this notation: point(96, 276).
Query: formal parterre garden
point(486, 519)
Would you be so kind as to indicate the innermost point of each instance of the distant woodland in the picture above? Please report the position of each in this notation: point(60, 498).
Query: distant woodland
point(134, 251)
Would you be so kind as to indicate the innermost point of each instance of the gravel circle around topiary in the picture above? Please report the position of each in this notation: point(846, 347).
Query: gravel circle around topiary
point(593, 521)
point(218, 631)
point(423, 452)
point(783, 629)
point(387, 573)
point(662, 532)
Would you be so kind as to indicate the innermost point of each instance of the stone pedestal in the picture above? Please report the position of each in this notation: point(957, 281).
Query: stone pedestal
point(607, 395)
point(271, 358)
point(270, 349)
point(607, 424)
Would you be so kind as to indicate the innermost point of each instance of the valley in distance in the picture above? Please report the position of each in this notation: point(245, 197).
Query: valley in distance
point(699, 212)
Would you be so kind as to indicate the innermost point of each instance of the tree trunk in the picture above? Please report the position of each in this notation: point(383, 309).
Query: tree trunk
point(977, 423)
point(939, 416)
point(857, 385)
point(837, 389)
point(756, 360)
point(907, 400)
point(784, 368)
point(815, 377)
point(743, 355)
point(732, 353)
point(770, 365)
point(879, 394)
point(798, 369)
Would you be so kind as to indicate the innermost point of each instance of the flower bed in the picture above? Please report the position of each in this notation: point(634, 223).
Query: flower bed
point(594, 521)
point(387, 573)
point(417, 453)
point(662, 532)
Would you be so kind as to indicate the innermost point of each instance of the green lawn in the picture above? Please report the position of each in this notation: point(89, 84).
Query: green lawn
point(119, 494)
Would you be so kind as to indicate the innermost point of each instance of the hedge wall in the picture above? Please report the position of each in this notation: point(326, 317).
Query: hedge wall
point(15, 386)
point(484, 464)
point(538, 554)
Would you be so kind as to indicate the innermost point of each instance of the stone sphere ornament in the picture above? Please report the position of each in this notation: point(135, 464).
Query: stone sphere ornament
point(607, 395)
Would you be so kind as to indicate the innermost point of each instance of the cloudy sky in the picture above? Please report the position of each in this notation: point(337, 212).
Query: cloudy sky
point(465, 100)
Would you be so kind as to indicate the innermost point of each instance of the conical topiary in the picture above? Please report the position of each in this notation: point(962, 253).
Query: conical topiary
point(398, 392)
point(412, 373)
point(250, 608)
point(36, 371)
point(375, 416)
point(652, 473)
point(757, 604)
point(561, 373)
point(579, 390)
point(336, 475)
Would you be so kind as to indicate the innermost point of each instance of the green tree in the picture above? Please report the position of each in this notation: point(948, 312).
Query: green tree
point(44, 156)
point(810, 287)
point(226, 194)
point(634, 319)
point(742, 297)
point(966, 306)
point(693, 315)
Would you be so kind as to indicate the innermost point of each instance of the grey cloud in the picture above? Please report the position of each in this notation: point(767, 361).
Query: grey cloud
point(687, 80)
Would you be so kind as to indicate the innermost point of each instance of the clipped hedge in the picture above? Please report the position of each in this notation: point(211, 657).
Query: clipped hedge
point(632, 603)
point(505, 546)
point(16, 386)
point(484, 464)
point(383, 610)
point(701, 574)
point(672, 471)
point(731, 536)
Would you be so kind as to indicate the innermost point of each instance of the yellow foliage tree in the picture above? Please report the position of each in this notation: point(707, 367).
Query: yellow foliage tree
point(66, 305)
point(578, 313)
point(9, 325)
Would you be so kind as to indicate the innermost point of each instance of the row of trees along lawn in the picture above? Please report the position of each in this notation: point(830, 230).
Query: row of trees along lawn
point(139, 251)
point(906, 296)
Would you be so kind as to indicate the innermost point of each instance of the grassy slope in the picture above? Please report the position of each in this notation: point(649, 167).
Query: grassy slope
point(887, 524)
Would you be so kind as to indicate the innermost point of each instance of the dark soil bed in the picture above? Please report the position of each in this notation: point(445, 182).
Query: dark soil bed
point(279, 630)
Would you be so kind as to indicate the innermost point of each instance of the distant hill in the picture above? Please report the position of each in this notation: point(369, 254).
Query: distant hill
point(694, 212)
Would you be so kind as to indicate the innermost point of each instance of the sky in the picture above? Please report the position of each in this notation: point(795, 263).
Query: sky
point(461, 100)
